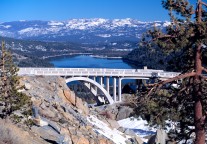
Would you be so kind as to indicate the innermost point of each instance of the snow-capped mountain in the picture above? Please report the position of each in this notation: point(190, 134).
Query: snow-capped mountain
point(79, 30)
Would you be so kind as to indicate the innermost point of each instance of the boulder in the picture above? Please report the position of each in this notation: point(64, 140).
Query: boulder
point(111, 111)
point(47, 113)
point(83, 140)
point(72, 130)
point(80, 105)
point(74, 139)
point(160, 137)
point(40, 122)
point(124, 112)
point(10, 133)
point(104, 141)
point(138, 140)
point(48, 134)
point(66, 134)
point(27, 86)
point(69, 96)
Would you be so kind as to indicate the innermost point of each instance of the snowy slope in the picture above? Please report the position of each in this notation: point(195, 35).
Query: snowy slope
point(112, 134)
point(79, 30)
point(139, 126)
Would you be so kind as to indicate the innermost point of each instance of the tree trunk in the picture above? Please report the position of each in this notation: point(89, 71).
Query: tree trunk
point(199, 119)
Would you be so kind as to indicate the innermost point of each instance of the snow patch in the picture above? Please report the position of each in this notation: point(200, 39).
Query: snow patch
point(138, 125)
point(54, 23)
point(6, 26)
point(104, 35)
point(166, 24)
point(85, 23)
point(122, 22)
point(54, 29)
point(26, 30)
point(31, 31)
point(157, 24)
point(112, 134)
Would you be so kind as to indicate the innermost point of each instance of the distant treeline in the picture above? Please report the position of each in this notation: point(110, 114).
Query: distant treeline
point(155, 58)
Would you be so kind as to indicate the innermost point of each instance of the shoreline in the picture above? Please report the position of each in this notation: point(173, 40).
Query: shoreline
point(70, 54)
point(73, 54)
point(107, 57)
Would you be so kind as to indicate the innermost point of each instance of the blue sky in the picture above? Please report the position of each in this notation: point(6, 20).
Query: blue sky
point(143, 10)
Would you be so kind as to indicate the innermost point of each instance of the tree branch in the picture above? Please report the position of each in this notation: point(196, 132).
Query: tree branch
point(204, 4)
point(160, 84)
point(181, 76)
point(204, 69)
point(204, 77)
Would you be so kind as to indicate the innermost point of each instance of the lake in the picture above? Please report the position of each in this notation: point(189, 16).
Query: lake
point(86, 61)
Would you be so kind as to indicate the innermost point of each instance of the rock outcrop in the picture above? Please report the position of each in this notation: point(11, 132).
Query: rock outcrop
point(116, 111)
point(61, 117)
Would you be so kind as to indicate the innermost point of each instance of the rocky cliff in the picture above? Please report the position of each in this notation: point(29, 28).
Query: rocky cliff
point(58, 116)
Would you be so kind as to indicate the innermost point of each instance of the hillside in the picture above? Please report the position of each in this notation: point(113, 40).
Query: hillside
point(30, 53)
point(59, 116)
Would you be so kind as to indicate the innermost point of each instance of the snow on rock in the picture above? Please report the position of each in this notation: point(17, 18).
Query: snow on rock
point(123, 22)
point(157, 24)
point(104, 129)
point(138, 125)
point(6, 26)
point(29, 29)
point(85, 23)
point(96, 22)
point(54, 29)
point(54, 23)
point(167, 23)
point(104, 35)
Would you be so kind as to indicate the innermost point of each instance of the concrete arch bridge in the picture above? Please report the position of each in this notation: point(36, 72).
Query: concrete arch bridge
point(89, 77)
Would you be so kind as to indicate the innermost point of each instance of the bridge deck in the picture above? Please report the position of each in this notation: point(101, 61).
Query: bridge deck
point(147, 73)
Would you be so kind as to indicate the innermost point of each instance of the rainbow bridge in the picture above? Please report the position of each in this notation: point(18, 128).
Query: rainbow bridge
point(89, 77)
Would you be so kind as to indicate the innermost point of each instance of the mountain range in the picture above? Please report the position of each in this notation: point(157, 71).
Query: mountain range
point(85, 31)
point(32, 41)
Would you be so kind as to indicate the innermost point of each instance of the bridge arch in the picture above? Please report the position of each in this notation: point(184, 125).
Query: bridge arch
point(111, 101)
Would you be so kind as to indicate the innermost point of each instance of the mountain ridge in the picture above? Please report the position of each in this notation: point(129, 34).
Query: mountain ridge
point(94, 30)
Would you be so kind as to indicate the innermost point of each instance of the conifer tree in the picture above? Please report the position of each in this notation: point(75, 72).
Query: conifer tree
point(186, 36)
point(10, 98)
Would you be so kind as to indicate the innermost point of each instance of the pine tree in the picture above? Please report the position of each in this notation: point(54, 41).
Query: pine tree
point(10, 98)
point(187, 38)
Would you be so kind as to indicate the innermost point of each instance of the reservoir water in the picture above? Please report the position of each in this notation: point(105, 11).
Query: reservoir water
point(86, 61)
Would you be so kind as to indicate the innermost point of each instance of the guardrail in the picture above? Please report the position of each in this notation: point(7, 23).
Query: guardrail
point(96, 72)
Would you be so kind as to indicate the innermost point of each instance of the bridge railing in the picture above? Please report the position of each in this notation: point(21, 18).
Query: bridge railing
point(96, 72)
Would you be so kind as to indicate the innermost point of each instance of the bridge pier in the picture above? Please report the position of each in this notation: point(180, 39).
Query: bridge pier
point(114, 89)
point(95, 88)
point(119, 89)
point(107, 84)
point(101, 81)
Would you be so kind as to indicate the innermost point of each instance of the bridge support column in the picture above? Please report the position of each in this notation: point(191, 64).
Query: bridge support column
point(101, 81)
point(114, 89)
point(94, 78)
point(119, 89)
point(107, 84)
point(95, 88)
